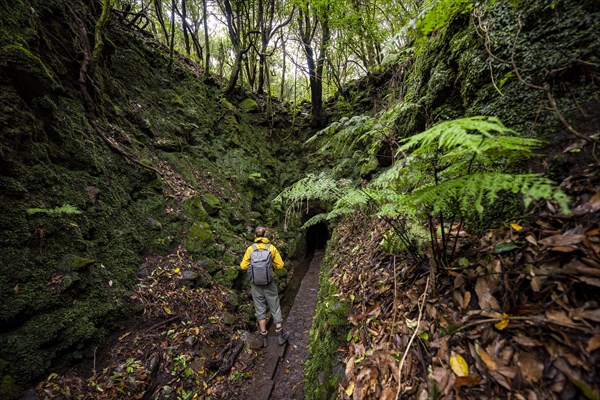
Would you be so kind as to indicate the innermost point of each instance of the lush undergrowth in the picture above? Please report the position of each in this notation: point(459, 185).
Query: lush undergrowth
point(511, 60)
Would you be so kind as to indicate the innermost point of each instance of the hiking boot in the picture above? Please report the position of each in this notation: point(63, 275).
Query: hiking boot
point(264, 337)
point(282, 336)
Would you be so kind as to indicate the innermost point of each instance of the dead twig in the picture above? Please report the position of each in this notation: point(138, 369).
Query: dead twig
point(421, 304)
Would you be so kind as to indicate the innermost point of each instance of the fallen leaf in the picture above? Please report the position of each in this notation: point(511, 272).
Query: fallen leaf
point(500, 379)
point(532, 369)
point(526, 341)
point(516, 227)
point(594, 343)
point(592, 205)
point(486, 300)
point(501, 325)
point(530, 239)
point(466, 299)
point(564, 249)
point(505, 247)
point(441, 376)
point(168, 310)
point(487, 360)
point(559, 317)
point(459, 365)
point(467, 380)
point(592, 315)
point(562, 240)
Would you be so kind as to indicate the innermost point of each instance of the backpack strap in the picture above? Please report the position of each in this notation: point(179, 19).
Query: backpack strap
point(267, 246)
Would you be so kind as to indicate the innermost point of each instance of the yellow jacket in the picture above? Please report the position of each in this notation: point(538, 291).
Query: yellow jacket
point(261, 242)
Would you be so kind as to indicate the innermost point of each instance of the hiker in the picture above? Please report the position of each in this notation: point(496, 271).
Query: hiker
point(259, 260)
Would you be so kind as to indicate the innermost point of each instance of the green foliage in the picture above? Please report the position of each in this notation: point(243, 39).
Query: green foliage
point(454, 170)
point(321, 187)
point(453, 167)
point(440, 12)
point(56, 211)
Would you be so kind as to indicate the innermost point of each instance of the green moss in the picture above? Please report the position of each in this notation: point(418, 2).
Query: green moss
point(200, 240)
point(249, 105)
point(227, 275)
point(194, 210)
point(211, 203)
point(15, 51)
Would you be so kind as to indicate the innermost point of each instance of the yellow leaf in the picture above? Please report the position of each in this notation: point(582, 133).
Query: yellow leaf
point(502, 324)
point(177, 270)
point(350, 389)
point(168, 310)
point(516, 227)
point(459, 365)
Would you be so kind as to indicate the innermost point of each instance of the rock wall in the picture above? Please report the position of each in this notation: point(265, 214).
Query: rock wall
point(76, 218)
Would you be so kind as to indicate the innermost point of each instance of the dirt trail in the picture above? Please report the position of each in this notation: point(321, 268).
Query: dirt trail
point(279, 373)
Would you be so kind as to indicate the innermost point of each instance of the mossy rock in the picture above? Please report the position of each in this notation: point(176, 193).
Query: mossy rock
point(228, 319)
point(200, 240)
point(249, 105)
point(211, 203)
point(194, 210)
point(227, 275)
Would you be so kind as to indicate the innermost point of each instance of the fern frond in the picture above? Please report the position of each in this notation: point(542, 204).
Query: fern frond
point(474, 190)
point(323, 186)
point(315, 220)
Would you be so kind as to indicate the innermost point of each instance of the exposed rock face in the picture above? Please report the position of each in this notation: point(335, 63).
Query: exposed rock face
point(65, 277)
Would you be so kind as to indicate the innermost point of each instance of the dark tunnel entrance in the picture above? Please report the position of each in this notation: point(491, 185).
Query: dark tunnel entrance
point(316, 237)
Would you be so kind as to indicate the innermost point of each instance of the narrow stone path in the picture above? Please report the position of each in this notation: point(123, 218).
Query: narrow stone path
point(279, 372)
point(289, 375)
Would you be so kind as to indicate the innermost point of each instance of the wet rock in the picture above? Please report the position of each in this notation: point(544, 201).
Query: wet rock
point(189, 278)
point(143, 270)
point(251, 340)
point(232, 300)
point(191, 340)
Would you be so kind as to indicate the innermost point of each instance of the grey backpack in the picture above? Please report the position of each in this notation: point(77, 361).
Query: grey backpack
point(260, 270)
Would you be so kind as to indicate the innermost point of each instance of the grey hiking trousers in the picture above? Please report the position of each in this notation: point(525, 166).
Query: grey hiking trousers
point(264, 295)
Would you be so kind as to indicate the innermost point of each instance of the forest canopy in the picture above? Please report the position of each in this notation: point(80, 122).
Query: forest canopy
point(294, 49)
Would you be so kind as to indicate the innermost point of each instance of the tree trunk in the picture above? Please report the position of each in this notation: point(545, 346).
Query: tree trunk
point(206, 43)
point(235, 72)
point(186, 29)
point(161, 20)
point(172, 35)
point(282, 89)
